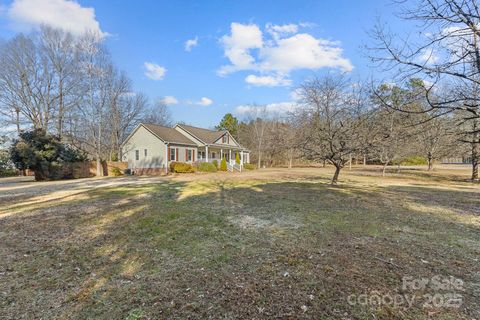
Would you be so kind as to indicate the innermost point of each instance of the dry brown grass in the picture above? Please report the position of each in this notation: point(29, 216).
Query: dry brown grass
point(253, 245)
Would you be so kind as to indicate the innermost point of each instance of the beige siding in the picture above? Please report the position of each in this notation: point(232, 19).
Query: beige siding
point(140, 140)
point(182, 152)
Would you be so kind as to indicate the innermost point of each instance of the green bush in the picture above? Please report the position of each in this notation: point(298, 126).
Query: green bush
point(215, 163)
point(207, 167)
point(45, 154)
point(248, 166)
point(237, 158)
point(223, 165)
point(414, 161)
point(182, 167)
point(8, 172)
point(116, 172)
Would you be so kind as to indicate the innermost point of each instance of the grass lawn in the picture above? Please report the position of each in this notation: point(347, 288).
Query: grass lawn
point(272, 243)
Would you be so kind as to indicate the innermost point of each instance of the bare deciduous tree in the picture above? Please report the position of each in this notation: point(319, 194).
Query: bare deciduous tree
point(449, 53)
point(331, 124)
point(256, 130)
point(26, 83)
point(158, 113)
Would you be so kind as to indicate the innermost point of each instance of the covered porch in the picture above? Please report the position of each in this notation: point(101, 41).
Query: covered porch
point(212, 153)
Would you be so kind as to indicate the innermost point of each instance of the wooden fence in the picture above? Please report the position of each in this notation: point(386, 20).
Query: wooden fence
point(107, 167)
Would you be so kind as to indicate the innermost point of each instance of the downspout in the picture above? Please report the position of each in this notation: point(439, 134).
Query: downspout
point(166, 157)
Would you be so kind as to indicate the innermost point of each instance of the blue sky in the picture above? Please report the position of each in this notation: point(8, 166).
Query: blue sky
point(241, 52)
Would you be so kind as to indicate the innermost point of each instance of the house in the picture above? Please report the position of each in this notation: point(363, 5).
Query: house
point(150, 148)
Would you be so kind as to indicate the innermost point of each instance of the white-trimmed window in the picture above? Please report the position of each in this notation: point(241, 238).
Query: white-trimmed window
point(137, 155)
point(145, 152)
point(172, 154)
point(214, 155)
point(189, 155)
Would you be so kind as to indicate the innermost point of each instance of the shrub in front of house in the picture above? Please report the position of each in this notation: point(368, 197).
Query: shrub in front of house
point(215, 163)
point(182, 167)
point(223, 165)
point(172, 166)
point(207, 167)
point(237, 158)
point(248, 166)
point(116, 172)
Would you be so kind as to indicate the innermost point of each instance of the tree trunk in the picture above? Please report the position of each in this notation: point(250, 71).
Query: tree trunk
point(336, 174)
point(364, 160)
point(60, 111)
point(99, 167)
point(430, 161)
point(384, 169)
point(475, 160)
point(398, 167)
point(350, 163)
point(259, 158)
point(17, 120)
point(324, 163)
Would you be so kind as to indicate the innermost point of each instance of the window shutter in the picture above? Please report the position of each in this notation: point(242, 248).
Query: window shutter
point(176, 158)
point(169, 154)
point(193, 155)
point(186, 155)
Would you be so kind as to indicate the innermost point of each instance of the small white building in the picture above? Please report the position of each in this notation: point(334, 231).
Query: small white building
point(150, 147)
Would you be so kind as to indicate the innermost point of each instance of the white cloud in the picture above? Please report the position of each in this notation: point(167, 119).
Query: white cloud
point(278, 31)
point(295, 95)
point(429, 56)
point(303, 51)
point(65, 14)
point(238, 45)
point(282, 51)
point(272, 108)
point(169, 100)
point(204, 101)
point(269, 81)
point(190, 43)
point(154, 71)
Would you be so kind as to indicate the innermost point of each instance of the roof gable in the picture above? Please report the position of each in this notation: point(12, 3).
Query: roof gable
point(167, 134)
point(205, 135)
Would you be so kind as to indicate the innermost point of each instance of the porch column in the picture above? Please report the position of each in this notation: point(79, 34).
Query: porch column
point(230, 156)
point(206, 153)
point(241, 157)
point(221, 154)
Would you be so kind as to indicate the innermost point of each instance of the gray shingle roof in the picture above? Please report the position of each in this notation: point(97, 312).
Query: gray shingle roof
point(207, 136)
point(168, 134)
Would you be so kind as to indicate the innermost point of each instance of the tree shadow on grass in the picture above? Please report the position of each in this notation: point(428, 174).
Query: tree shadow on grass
point(259, 250)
